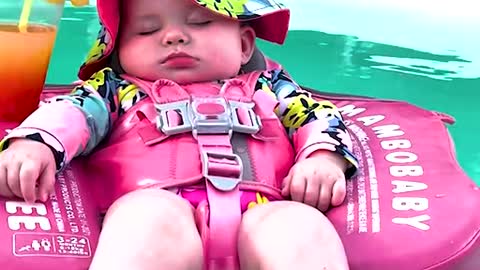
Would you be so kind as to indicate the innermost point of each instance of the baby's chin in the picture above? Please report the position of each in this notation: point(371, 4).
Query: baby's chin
point(190, 76)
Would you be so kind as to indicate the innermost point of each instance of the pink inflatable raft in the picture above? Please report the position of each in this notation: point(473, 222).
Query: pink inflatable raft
point(411, 207)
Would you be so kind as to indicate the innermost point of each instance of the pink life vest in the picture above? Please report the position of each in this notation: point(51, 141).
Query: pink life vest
point(224, 139)
point(135, 141)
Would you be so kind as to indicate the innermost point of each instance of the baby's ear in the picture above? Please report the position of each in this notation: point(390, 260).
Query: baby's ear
point(248, 42)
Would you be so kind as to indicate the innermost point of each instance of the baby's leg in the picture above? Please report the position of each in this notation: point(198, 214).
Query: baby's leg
point(289, 235)
point(149, 229)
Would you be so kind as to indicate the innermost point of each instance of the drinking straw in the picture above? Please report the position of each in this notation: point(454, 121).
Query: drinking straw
point(26, 10)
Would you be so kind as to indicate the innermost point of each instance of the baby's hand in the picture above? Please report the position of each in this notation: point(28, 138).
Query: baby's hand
point(317, 181)
point(24, 164)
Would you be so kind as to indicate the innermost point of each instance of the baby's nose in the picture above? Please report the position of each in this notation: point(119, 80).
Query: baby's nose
point(175, 37)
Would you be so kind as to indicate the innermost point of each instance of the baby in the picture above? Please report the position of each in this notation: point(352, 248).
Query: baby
point(194, 156)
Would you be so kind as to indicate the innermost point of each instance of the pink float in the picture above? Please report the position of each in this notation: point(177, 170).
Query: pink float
point(410, 208)
point(59, 234)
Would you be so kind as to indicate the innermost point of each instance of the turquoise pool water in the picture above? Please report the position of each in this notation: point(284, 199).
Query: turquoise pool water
point(427, 56)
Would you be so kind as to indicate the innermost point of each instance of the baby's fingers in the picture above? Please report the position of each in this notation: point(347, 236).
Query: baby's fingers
point(29, 173)
point(325, 196)
point(13, 178)
point(4, 188)
point(312, 191)
point(339, 191)
point(298, 185)
point(46, 182)
point(286, 184)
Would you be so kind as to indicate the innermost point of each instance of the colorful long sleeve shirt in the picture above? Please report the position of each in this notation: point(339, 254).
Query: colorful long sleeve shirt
point(97, 103)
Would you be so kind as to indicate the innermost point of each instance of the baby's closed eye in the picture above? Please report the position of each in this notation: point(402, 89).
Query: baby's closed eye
point(199, 18)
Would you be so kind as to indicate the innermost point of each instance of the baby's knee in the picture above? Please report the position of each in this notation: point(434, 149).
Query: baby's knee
point(149, 223)
point(285, 215)
point(287, 224)
point(152, 207)
point(287, 235)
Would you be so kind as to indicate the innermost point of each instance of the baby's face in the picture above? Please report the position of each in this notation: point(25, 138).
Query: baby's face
point(181, 41)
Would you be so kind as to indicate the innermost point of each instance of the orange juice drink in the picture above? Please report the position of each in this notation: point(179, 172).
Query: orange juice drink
point(27, 36)
point(24, 59)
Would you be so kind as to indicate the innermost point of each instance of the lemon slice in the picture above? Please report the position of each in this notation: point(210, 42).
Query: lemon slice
point(77, 3)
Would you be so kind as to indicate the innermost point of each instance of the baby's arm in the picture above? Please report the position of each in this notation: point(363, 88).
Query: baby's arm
point(73, 124)
point(322, 144)
point(314, 126)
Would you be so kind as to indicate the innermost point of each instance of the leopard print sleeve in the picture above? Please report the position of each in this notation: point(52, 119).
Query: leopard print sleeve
point(296, 108)
point(97, 98)
point(74, 124)
point(103, 98)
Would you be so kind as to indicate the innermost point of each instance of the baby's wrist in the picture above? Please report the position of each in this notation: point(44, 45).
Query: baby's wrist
point(331, 156)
